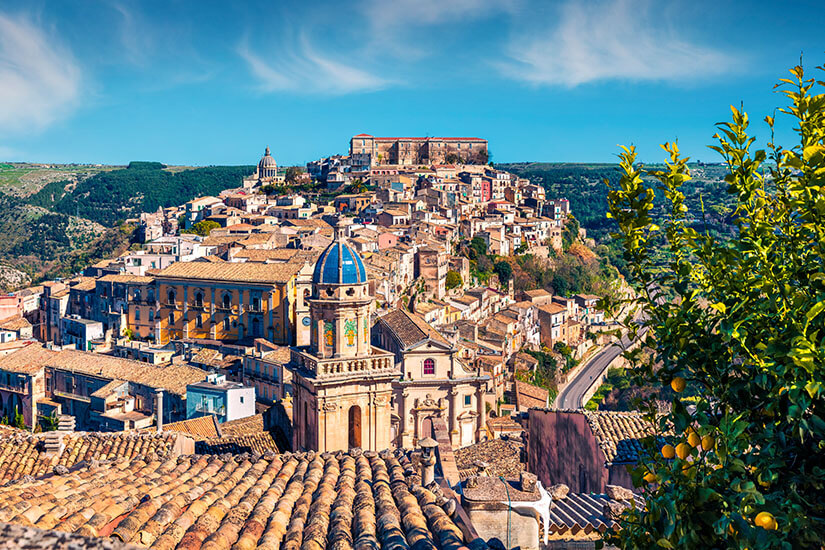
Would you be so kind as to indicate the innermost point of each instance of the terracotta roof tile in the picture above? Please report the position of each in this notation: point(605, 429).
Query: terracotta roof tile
point(410, 329)
point(243, 426)
point(505, 458)
point(173, 378)
point(618, 433)
point(528, 395)
point(294, 501)
point(199, 429)
point(24, 454)
point(248, 272)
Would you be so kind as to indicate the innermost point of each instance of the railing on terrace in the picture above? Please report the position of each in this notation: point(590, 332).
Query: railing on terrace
point(334, 367)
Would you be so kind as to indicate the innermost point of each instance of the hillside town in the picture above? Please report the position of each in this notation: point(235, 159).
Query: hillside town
point(347, 336)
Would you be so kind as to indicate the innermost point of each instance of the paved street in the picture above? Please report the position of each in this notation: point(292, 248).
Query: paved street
point(571, 396)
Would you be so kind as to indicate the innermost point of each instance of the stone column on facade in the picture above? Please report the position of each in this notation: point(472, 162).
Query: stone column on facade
point(213, 333)
point(402, 414)
point(453, 394)
point(338, 341)
point(185, 317)
point(320, 411)
point(481, 410)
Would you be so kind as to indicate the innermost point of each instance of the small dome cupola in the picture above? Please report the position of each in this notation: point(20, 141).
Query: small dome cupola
point(339, 264)
point(267, 167)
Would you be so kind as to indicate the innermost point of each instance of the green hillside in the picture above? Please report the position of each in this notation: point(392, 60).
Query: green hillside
point(68, 223)
point(584, 186)
point(111, 197)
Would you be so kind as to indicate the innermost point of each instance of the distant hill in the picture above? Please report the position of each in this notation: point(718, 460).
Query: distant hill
point(584, 186)
point(111, 197)
point(69, 223)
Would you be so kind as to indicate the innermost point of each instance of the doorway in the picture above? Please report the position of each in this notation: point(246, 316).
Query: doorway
point(354, 426)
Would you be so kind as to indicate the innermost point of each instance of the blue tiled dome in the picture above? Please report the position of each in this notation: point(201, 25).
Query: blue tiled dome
point(339, 264)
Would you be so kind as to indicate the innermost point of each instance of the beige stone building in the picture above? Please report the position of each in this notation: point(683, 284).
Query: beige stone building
point(376, 151)
point(434, 383)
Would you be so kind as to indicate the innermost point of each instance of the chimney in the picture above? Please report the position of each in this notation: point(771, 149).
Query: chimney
point(159, 408)
point(428, 446)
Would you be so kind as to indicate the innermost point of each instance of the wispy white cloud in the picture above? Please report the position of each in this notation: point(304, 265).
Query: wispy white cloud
point(610, 40)
point(306, 70)
point(412, 29)
point(430, 12)
point(40, 81)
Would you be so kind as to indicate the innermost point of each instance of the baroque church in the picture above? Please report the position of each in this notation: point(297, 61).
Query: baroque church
point(376, 386)
point(266, 173)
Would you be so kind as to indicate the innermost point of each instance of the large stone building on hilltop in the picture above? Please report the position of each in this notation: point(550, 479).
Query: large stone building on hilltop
point(366, 150)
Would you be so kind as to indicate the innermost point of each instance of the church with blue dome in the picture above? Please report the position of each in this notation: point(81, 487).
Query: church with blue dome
point(339, 264)
point(342, 384)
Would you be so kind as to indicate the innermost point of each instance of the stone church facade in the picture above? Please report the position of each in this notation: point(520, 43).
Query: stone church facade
point(359, 386)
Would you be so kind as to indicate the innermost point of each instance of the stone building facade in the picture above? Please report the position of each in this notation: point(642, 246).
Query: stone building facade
point(418, 150)
point(341, 383)
point(434, 383)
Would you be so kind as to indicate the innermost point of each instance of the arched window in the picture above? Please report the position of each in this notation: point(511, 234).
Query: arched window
point(226, 323)
point(429, 366)
point(199, 321)
point(227, 301)
point(171, 296)
point(199, 299)
point(171, 318)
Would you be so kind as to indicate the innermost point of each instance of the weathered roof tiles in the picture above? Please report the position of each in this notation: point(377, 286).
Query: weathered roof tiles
point(305, 501)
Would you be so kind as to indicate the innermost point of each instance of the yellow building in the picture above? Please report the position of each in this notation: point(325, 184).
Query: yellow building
point(227, 301)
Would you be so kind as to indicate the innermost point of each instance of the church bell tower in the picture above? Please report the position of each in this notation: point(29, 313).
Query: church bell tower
point(342, 384)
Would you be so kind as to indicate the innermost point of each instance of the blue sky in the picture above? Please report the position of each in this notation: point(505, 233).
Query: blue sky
point(187, 82)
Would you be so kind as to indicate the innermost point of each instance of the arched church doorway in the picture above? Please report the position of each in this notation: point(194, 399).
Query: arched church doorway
point(427, 428)
point(354, 426)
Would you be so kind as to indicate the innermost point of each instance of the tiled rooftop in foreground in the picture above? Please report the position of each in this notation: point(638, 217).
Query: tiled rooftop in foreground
point(23, 454)
point(307, 501)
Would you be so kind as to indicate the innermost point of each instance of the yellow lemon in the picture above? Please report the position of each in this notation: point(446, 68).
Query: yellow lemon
point(650, 477)
point(694, 439)
point(668, 451)
point(682, 450)
point(765, 520)
point(678, 384)
point(708, 442)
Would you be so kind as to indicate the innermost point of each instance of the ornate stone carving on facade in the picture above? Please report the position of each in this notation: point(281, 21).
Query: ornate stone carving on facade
point(330, 406)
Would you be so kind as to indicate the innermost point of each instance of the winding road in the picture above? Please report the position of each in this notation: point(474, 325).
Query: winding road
point(572, 395)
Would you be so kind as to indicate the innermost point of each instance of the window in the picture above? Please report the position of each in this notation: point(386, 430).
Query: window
point(227, 301)
point(468, 400)
point(137, 314)
point(171, 296)
point(199, 321)
point(256, 304)
point(242, 400)
point(226, 324)
point(199, 299)
point(171, 318)
point(429, 366)
point(137, 294)
point(151, 315)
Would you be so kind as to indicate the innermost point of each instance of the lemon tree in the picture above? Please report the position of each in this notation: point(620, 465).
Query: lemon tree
point(743, 325)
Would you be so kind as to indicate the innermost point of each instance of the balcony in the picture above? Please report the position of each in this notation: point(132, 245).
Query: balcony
point(72, 396)
point(381, 365)
point(17, 388)
point(197, 307)
point(206, 408)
